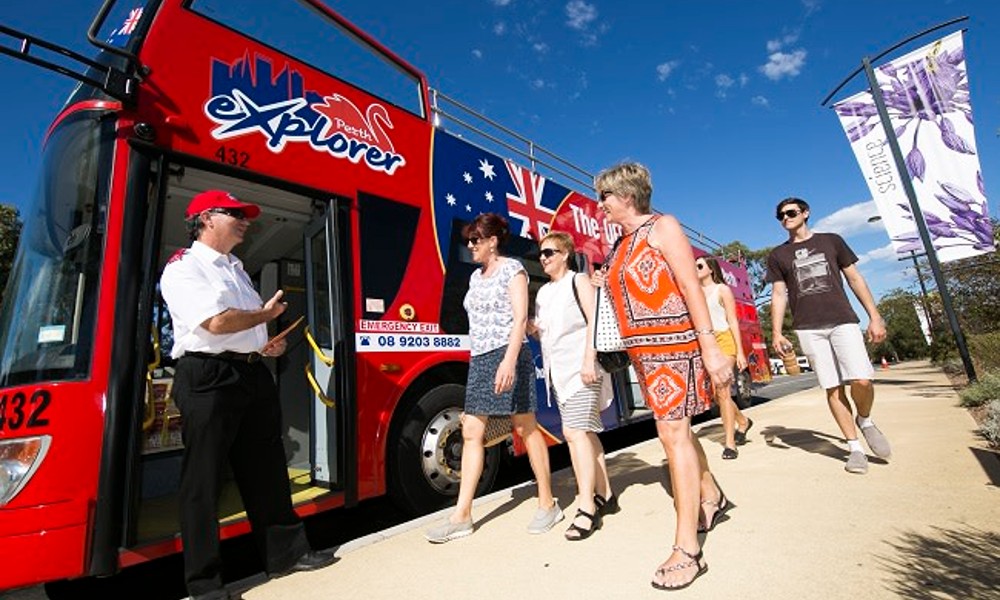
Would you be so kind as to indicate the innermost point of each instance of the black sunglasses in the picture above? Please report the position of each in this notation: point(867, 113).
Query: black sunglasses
point(236, 213)
point(472, 240)
point(601, 197)
point(549, 252)
point(700, 266)
point(791, 213)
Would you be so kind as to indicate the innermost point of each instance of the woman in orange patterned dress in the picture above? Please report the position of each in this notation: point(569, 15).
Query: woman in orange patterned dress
point(664, 321)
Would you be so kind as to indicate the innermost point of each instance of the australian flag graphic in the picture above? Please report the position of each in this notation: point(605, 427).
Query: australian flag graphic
point(469, 181)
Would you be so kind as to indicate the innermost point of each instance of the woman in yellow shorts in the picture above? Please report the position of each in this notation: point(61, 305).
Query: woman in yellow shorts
point(722, 307)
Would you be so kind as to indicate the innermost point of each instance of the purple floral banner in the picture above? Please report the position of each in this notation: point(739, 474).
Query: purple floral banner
point(927, 95)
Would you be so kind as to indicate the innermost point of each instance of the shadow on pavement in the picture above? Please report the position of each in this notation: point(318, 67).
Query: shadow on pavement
point(781, 437)
point(949, 563)
point(990, 462)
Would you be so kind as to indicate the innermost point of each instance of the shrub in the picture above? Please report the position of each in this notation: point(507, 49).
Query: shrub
point(991, 425)
point(987, 389)
point(985, 351)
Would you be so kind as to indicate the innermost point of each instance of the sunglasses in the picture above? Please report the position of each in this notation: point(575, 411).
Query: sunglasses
point(473, 240)
point(791, 213)
point(700, 266)
point(602, 196)
point(236, 213)
point(549, 252)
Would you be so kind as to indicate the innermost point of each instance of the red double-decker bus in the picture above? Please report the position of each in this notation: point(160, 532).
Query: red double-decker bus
point(364, 176)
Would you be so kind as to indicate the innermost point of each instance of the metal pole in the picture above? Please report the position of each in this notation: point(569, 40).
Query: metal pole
point(918, 218)
point(923, 290)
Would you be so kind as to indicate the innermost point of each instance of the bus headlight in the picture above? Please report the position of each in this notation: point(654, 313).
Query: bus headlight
point(19, 458)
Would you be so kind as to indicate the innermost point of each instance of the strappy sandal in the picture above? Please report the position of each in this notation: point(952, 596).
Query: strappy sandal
point(606, 506)
point(581, 533)
point(741, 436)
point(722, 505)
point(694, 560)
point(729, 453)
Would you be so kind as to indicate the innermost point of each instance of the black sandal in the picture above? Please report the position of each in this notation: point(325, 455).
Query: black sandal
point(694, 560)
point(729, 453)
point(581, 533)
point(722, 505)
point(741, 436)
point(606, 506)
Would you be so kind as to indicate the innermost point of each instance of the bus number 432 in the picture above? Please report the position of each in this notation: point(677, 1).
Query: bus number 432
point(18, 411)
point(232, 156)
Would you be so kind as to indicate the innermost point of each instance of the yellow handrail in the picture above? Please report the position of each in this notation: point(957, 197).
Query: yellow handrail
point(327, 360)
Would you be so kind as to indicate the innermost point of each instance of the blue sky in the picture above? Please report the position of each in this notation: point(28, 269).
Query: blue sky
point(720, 98)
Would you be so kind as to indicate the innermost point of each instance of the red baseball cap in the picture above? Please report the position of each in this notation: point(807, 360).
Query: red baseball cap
point(219, 199)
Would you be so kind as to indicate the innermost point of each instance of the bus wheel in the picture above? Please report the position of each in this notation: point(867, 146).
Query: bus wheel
point(744, 390)
point(425, 458)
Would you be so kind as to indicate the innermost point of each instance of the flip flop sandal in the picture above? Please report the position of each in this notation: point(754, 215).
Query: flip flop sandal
point(694, 560)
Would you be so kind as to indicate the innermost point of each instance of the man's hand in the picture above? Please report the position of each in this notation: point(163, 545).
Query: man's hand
point(781, 344)
point(274, 307)
point(876, 330)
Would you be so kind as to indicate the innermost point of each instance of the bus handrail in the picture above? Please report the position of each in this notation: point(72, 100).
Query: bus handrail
point(534, 153)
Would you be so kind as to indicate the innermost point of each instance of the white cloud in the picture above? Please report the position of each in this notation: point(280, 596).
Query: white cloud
point(501, 2)
point(883, 254)
point(580, 14)
point(782, 64)
point(540, 47)
point(476, 52)
point(744, 79)
point(663, 70)
point(760, 101)
point(722, 84)
point(538, 83)
point(779, 43)
point(850, 220)
point(499, 28)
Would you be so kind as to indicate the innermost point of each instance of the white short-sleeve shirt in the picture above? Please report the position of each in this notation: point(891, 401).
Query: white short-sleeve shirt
point(199, 283)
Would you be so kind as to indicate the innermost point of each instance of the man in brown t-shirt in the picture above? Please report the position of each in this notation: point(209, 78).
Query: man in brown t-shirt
point(808, 272)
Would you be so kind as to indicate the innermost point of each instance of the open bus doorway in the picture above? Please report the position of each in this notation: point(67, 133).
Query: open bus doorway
point(274, 255)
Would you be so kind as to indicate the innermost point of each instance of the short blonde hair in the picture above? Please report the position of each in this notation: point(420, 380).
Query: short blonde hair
point(562, 240)
point(627, 179)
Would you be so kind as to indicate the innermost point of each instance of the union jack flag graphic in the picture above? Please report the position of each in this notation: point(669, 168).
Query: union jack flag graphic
point(130, 21)
point(469, 181)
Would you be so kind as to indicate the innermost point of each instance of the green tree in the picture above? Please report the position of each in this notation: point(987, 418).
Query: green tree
point(755, 260)
point(10, 233)
point(904, 338)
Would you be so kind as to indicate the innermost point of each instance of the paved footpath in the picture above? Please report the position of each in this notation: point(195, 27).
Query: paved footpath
point(924, 525)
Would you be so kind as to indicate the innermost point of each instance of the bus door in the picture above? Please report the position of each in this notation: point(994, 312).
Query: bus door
point(325, 310)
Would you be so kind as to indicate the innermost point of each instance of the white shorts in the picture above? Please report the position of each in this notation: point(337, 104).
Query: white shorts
point(837, 354)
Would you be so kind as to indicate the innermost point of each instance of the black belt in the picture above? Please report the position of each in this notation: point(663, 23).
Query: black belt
point(247, 357)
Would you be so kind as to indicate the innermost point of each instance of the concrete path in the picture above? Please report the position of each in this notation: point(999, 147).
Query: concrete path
point(924, 525)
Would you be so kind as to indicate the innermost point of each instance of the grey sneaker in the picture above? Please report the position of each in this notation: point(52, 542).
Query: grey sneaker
point(876, 441)
point(545, 519)
point(448, 531)
point(857, 462)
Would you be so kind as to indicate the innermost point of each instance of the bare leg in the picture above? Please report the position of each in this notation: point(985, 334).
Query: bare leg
point(603, 481)
point(686, 474)
point(581, 452)
point(836, 398)
point(538, 455)
point(863, 394)
point(473, 457)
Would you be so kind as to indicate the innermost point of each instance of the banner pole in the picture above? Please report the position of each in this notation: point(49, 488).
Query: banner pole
point(918, 218)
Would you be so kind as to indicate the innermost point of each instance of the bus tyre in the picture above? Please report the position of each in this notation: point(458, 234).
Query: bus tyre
point(744, 390)
point(425, 455)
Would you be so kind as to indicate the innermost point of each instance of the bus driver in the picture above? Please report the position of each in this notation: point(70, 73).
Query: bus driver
point(227, 398)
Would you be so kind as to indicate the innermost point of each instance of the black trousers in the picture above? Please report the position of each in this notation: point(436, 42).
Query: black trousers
point(230, 412)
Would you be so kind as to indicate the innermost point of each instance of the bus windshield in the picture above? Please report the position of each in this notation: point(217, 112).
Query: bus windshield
point(304, 33)
point(47, 319)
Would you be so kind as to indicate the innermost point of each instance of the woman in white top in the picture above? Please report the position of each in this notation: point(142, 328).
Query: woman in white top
point(722, 308)
point(564, 309)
